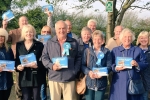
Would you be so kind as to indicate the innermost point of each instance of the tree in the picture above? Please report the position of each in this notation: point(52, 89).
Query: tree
point(114, 18)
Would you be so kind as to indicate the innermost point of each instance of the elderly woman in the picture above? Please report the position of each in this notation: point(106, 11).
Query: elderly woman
point(143, 42)
point(120, 78)
point(6, 79)
point(96, 84)
point(31, 76)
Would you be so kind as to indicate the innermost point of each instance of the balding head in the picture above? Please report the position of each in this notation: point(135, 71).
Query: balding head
point(118, 29)
point(23, 21)
point(61, 29)
point(69, 26)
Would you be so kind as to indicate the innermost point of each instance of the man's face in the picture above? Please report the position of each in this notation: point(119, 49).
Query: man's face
point(69, 26)
point(117, 31)
point(23, 21)
point(61, 30)
point(92, 26)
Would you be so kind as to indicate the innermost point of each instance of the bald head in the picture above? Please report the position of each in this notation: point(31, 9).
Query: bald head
point(23, 21)
point(117, 31)
point(69, 26)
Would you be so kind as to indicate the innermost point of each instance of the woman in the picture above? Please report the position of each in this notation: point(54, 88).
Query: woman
point(120, 78)
point(143, 42)
point(6, 79)
point(31, 76)
point(96, 84)
point(84, 42)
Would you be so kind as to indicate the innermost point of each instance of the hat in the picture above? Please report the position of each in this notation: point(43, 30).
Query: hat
point(4, 33)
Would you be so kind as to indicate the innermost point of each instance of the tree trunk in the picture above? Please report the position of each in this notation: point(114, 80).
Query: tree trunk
point(109, 29)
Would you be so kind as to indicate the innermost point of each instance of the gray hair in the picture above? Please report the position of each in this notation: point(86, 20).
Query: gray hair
point(91, 20)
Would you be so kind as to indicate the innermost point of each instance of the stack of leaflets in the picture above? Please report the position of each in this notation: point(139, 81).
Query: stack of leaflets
point(48, 8)
point(27, 59)
point(61, 61)
point(124, 61)
point(102, 71)
point(7, 65)
point(44, 38)
point(8, 15)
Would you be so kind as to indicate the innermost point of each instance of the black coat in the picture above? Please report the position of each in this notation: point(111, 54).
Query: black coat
point(28, 77)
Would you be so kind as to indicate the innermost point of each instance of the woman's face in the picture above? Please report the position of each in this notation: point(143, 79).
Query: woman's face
point(143, 40)
point(85, 35)
point(127, 39)
point(2, 39)
point(97, 41)
point(29, 35)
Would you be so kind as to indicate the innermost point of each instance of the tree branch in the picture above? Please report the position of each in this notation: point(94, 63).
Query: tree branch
point(102, 2)
point(133, 7)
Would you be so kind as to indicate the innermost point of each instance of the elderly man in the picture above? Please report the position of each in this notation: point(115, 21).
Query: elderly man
point(69, 28)
point(114, 41)
point(61, 80)
point(14, 37)
point(92, 23)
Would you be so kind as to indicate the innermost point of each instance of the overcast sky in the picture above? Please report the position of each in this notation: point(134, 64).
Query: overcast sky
point(99, 6)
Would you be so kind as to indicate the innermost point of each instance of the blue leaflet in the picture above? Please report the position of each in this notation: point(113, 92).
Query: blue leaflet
point(44, 38)
point(8, 15)
point(62, 61)
point(124, 61)
point(27, 59)
point(102, 71)
point(7, 65)
point(48, 8)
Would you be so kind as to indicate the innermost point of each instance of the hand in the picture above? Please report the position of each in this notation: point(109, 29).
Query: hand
point(1, 69)
point(92, 75)
point(4, 23)
point(49, 14)
point(120, 68)
point(134, 63)
point(97, 76)
point(20, 68)
point(11, 71)
point(56, 67)
point(33, 65)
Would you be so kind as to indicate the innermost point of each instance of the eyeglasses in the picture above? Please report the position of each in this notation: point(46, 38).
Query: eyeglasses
point(46, 31)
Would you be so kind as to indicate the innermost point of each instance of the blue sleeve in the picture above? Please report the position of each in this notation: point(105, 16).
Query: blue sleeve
point(109, 61)
point(113, 66)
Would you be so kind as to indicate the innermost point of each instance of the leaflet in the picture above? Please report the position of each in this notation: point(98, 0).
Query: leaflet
point(102, 71)
point(48, 8)
point(44, 38)
point(61, 61)
point(124, 61)
point(27, 59)
point(8, 15)
point(7, 65)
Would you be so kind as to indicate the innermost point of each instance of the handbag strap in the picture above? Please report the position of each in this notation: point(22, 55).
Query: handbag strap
point(88, 57)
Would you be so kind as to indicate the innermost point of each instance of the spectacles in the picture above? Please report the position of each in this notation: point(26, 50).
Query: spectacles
point(46, 31)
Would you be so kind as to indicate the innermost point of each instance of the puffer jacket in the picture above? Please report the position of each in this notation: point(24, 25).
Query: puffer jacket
point(6, 79)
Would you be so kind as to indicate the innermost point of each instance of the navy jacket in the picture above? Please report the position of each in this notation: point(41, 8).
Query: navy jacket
point(146, 72)
point(100, 83)
point(6, 79)
point(28, 77)
point(52, 50)
point(120, 80)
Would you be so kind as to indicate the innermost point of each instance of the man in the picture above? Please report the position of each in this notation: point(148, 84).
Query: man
point(114, 41)
point(14, 37)
point(92, 23)
point(69, 28)
point(61, 80)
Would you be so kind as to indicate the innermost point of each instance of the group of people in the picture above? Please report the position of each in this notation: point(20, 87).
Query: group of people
point(82, 57)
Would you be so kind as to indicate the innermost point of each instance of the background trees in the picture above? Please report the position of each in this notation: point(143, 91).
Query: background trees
point(121, 14)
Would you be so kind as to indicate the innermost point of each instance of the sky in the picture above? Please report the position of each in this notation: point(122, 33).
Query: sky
point(97, 5)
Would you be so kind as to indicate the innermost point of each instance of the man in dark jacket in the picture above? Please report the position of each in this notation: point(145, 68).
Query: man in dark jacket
point(61, 80)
